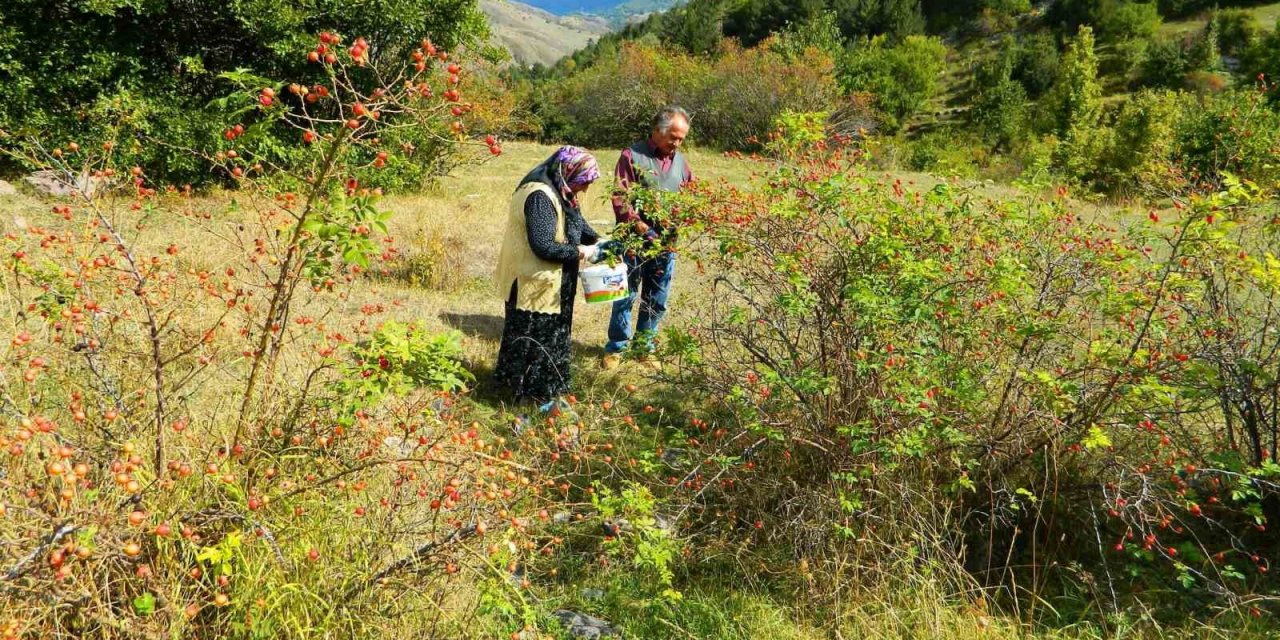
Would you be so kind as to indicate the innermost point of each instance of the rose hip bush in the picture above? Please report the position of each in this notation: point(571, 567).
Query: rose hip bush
point(193, 442)
point(1071, 408)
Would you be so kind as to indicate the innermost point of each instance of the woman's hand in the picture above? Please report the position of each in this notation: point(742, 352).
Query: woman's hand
point(587, 253)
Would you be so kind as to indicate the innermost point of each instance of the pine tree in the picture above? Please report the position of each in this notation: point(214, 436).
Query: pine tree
point(1075, 99)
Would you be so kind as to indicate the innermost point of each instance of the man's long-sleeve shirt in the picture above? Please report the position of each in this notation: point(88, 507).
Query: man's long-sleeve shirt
point(625, 175)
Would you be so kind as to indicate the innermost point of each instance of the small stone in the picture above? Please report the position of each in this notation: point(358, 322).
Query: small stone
point(51, 183)
point(7, 189)
point(584, 626)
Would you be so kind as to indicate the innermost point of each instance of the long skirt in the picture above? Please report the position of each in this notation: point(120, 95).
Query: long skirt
point(533, 361)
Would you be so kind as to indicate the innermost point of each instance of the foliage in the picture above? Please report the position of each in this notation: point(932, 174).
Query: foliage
point(1036, 66)
point(998, 110)
point(881, 363)
point(176, 463)
point(1128, 20)
point(895, 19)
point(732, 98)
point(1073, 103)
point(1238, 30)
point(902, 78)
point(163, 63)
point(753, 21)
point(1261, 62)
point(396, 360)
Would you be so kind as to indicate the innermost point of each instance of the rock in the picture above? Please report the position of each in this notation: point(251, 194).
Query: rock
point(51, 183)
point(663, 523)
point(584, 626)
point(7, 189)
point(673, 457)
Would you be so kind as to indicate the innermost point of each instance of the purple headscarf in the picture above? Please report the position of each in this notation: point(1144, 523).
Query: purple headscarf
point(568, 167)
point(575, 167)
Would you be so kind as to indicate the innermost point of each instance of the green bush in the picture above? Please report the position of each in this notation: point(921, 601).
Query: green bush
point(1262, 61)
point(903, 78)
point(1238, 30)
point(1228, 133)
point(732, 98)
point(1036, 66)
point(945, 152)
point(1128, 20)
point(1165, 65)
point(164, 63)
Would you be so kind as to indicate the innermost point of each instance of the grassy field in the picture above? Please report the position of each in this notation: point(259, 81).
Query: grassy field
point(450, 238)
point(1266, 14)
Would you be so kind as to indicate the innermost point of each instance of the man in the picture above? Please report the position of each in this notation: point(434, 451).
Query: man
point(657, 165)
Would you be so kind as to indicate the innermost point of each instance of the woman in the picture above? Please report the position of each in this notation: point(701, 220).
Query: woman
point(545, 241)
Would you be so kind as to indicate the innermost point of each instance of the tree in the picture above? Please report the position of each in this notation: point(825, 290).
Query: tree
point(1122, 20)
point(1203, 54)
point(1036, 66)
point(894, 18)
point(1262, 60)
point(696, 27)
point(1073, 108)
point(164, 58)
point(902, 78)
point(1075, 100)
point(821, 33)
point(754, 20)
point(998, 111)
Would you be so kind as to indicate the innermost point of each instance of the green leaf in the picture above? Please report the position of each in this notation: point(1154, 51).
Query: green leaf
point(1096, 438)
point(145, 604)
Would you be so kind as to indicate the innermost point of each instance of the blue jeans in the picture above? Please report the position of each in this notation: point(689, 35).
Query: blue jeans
point(652, 279)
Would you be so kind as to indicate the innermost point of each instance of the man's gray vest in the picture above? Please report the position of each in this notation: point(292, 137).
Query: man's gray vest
point(647, 168)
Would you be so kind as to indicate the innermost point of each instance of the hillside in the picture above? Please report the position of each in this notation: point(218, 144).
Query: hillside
point(617, 9)
point(533, 35)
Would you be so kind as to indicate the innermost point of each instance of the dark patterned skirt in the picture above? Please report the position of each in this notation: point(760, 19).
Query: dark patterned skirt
point(533, 361)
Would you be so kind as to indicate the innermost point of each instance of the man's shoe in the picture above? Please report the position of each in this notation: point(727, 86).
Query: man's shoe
point(611, 361)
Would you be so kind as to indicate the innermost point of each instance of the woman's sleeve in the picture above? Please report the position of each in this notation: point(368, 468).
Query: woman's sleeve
point(540, 218)
point(589, 235)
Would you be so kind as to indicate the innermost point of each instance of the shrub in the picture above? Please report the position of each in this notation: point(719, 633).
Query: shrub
point(732, 99)
point(1238, 29)
point(999, 110)
point(945, 153)
point(1140, 157)
point(1036, 66)
point(1128, 20)
point(1165, 65)
point(879, 360)
point(195, 446)
point(1261, 62)
point(167, 63)
point(902, 78)
point(1231, 133)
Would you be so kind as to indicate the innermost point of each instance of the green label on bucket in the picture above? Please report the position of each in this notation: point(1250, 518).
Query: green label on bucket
point(605, 296)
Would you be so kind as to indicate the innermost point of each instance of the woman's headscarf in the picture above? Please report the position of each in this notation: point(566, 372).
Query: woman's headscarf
point(568, 167)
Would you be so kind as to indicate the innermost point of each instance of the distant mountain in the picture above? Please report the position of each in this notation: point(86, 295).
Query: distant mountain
point(535, 35)
point(613, 9)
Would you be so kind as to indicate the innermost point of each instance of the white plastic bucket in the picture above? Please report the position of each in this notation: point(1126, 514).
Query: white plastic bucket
point(604, 283)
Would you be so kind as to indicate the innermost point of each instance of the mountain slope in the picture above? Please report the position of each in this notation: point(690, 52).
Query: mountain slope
point(533, 35)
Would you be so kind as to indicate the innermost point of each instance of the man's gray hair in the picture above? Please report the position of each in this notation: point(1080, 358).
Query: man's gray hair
point(663, 121)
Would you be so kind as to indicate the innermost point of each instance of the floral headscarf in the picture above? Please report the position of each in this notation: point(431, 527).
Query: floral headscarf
point(566, 168)
point(573, 166)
